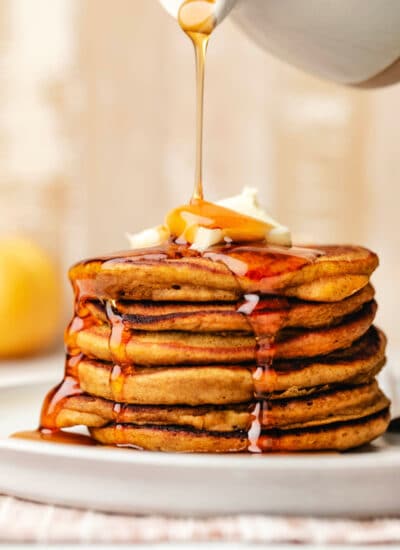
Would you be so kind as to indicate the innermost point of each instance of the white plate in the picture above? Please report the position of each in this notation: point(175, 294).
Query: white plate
point(361, 483)
point(41, 369)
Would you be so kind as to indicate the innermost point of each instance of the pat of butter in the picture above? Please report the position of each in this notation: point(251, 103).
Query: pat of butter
point(148, 237)
point(246, 203)
point(204, 238)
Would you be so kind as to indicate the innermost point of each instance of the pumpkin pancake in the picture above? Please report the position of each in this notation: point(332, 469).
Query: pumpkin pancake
point(241, 348)
point(329, 273)
point(231, 317)
point(322, 408)
point(338, 436)
point(216, 384)
point(173, 348)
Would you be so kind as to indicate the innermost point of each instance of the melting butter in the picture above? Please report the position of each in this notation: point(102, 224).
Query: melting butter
point(236, 219)
point(154, 236)
point(247, 203)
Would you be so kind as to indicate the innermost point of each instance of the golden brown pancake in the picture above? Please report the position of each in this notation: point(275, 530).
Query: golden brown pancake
point(241, 348)
point(336, 436)
point(173, 348)
point(227, 317)
point(336, 405)
point(159, 276)
point(220, 385)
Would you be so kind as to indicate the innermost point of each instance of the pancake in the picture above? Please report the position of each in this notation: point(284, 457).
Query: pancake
point(230, 317)
point(329, 273)
point(337, 436)
point(172, 348)
point(356, 364)
point(242, 348)
point(336, 405)
point(220, 385)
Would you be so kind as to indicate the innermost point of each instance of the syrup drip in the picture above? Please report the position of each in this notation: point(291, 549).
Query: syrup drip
point(81, 321)
point(76, 325)
point(254, 432)
point(266, 317)
point(118, 341)
point(121, 413)
point(57, 397)
point(118, 411)
point(117, 382)
point(119, 336)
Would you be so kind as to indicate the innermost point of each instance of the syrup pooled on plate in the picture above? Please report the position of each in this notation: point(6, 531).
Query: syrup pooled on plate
point(56, 436)
point(48, 430)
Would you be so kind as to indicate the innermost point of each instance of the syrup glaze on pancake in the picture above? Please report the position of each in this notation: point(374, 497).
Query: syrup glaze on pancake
point(331, 274)
point(176, 272)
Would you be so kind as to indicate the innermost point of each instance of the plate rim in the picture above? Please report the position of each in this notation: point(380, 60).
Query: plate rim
point(387, 459)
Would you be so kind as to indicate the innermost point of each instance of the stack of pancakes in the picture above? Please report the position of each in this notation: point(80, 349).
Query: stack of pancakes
point(239, 349)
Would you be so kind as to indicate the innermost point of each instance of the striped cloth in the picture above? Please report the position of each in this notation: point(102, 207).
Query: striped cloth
point(27, 522)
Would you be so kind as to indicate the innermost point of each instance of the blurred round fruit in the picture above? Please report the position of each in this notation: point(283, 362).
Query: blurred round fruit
point(30, 298)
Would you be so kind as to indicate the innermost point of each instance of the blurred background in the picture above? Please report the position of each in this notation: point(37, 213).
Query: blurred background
point(97, 112)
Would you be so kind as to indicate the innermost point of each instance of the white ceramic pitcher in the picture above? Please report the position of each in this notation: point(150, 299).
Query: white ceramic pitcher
point(348, 41)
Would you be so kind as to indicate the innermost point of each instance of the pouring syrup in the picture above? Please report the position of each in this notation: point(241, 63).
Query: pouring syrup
point(197, 19)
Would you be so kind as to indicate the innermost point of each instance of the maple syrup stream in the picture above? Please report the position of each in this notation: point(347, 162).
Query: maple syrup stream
point(197, 20)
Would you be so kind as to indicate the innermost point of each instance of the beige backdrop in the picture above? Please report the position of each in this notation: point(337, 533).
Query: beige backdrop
point(96, 134)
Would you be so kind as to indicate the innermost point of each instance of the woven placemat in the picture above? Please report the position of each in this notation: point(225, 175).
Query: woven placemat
point(22, 521)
